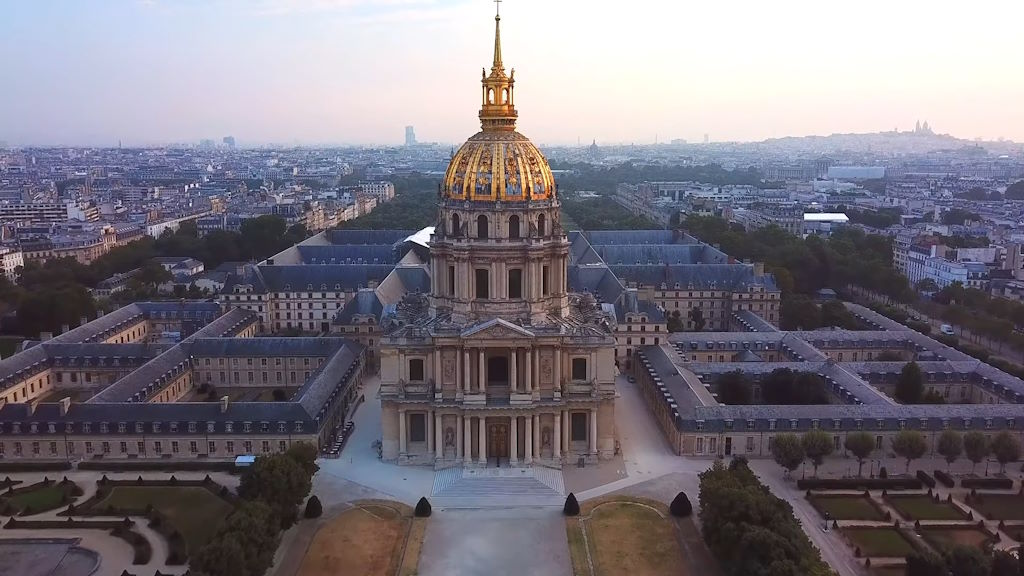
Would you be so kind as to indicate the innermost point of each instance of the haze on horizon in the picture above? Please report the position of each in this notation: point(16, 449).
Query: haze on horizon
point(150, 72)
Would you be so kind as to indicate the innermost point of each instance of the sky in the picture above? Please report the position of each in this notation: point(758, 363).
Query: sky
point(150, 72)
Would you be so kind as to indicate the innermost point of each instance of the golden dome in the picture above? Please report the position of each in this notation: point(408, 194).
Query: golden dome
point(498, 163)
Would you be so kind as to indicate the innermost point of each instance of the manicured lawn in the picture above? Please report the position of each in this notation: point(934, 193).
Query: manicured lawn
point(999, 506)
point(42, 499)
point(846, 507)
point(880, 542)
point(924, 507)
point(194, 511)
point(365, 540)
point(942, 537)
point(628, 538)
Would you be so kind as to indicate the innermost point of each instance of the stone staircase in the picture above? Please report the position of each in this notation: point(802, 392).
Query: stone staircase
point(497, 487)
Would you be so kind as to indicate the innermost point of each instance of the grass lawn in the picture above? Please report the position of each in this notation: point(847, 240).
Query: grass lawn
point(42, 499)
point(999, 506)
point(632, 539)
point(846, 507)
point(879, 542)
point(366, 540)
point(942, 537)
point(923, 507)
point(889, 571)
point(194, 511)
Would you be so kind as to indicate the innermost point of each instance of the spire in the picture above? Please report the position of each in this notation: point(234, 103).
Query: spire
point(497, 36)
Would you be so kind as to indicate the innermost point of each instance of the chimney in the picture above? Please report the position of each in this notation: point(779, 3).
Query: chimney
point(65, 404)
point(223, 404)
point(758, 269)
point(44, 336)
point(64, 328)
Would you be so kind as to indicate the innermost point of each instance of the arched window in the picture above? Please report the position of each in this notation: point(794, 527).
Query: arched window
point(540, 225)
point(481, 226)
point(456, 225)
point(504, 96)
point(513, 226)
point(490, 95)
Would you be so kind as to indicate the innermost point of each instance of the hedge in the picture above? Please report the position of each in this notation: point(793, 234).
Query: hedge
point(29, 466)
point(859, 483)
point(138, 542)
point(990, 483)
point(926, 479)
point(946, 479)
point(159, 465)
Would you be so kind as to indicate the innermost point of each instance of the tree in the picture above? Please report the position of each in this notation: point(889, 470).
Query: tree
point(243, 546)
point(860, 444)
point(1015, 191)
point(734, 388)
point(951, 446)
point(675, 322)
point(313, 507)
point(696, 316)
point(152, 273)
point(571, 507)
point(976, 447)
point(423, 509)
point(788, 451)
point(681, 507)
point(910, 386)
point(279, 480)
point(817, 445)
point(926, 285)
point(910, 444)
point(966, 561)
point(305, 454)
point(1006, 449)
point(926, 564)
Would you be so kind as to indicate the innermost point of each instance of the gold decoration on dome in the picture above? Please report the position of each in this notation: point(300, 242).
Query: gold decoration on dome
point(498, 163)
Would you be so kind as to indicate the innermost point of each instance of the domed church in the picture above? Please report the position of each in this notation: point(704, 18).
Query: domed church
point(499, 365)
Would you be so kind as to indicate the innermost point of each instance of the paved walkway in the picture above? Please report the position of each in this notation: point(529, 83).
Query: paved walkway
point(494, 542)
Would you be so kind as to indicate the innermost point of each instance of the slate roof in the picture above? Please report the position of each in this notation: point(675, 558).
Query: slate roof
point(301, 278)
point(256, 347)
point(347, 254)
point(387, 237)
point(732, 277)
point(365, 302)
point(597, 280)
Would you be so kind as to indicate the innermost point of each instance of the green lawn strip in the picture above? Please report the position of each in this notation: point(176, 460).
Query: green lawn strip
point(36, 498)
point(924, 507)
point(846, 507)
point(999, 506)
point(194, 511)
point(948, 536)
point(879, 542)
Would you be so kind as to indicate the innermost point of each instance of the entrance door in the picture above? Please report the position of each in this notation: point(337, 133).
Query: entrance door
point(497, 441)
point(728, 445)
point(497, 371)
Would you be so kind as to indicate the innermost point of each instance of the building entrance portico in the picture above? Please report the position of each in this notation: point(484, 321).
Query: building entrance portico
point(498, 441)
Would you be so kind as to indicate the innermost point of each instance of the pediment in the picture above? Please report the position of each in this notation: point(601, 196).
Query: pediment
point(497, 329)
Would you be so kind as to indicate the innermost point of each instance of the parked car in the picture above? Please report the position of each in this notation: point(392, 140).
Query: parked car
point(946, 329)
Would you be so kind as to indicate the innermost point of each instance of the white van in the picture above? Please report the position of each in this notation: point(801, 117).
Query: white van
point(946, 329)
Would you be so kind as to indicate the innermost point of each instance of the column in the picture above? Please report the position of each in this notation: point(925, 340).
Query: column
point(467, 373)
point(482, 373)
point(536, 435)
point(528, 440)
point(437, 369)
point(482, 440)
point(459, 383)
point(402, 447)
point(430, 431)
point(593, 431)
point(558, 368)
point(556, 439)
point(513, 451)
point(458, 436)
point(566, 434)
point(529, 370)
point(438, 436)
point(467, 439)
point(513, 382)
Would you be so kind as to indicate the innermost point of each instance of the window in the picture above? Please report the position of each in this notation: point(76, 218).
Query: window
point(417, 427)
point(158, 447)
point(248, 446)
point(544, 280)
point(415, 369)
point(451, 280)
point(513, 226)
point(540, 225)
point(878, 442)
point(481, 227)
point(123, 447)
point(230, 445)
point(750, 444)
point(578, 427)
point(456, 225)
point(211, 447)
point(579, 368)
point(174, 446)
point(193, 448)
point(482, 283)
point(515, 283)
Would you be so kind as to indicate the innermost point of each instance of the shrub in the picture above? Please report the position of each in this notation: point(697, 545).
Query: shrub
point(28, 466)
point(314, 509)
point(926, 479)
point(945, 479)
point(857, 552)
point(681, 507)
point(883, 473)
point(572, 507)
point(989, 483)
point(858, 483)
point(422, 508)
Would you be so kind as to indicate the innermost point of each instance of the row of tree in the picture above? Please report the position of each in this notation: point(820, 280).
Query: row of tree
point(602, 213)
point(751, 531)
point(964, 560)
point(790, 451)
point(272, 490)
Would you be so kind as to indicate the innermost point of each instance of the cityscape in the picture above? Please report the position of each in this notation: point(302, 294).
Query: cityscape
point(800, 355)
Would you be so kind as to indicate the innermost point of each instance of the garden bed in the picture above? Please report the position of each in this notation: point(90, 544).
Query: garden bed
point(924, 507)
point(941, 537)
point(38, 497)
point(846, 507)
point(881, 542)
point(998, 506)
point(118, 528)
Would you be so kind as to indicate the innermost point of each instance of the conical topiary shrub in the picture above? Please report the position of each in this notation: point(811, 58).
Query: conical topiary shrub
point(313, 508)
point(681, 507)
point(423, 508)
point(572, 507)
